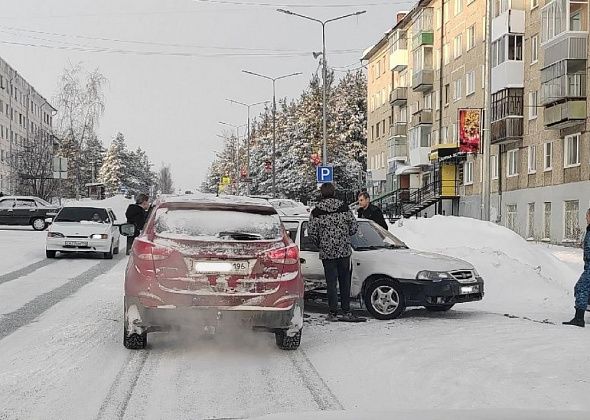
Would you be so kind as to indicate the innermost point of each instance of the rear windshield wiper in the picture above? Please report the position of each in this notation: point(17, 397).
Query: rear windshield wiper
point(244, 236)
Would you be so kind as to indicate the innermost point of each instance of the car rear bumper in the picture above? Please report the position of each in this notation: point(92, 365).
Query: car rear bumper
point(92, 245)
point(446, 292)
point(169, 316)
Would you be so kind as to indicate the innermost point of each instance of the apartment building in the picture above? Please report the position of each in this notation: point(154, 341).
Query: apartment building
point(540, 158)
point(26, 118)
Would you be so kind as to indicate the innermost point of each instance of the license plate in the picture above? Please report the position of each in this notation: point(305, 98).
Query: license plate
point(467, 290)
point(76, 243)
point(222, 267)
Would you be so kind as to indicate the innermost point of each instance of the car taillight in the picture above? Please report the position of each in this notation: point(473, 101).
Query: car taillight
point(288, 255)
point(148, 251)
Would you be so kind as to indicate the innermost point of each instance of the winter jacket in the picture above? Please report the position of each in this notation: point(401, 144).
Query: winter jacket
point(587, 249)
point(136, 215)
point(331, 224)
point(373, 213)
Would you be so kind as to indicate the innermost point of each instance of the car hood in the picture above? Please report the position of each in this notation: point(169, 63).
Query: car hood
point(406, 263)
point(79, 229)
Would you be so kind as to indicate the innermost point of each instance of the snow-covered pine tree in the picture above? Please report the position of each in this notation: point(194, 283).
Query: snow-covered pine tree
point(112, 171)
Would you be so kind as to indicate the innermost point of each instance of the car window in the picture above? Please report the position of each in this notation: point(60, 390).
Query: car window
point(83, 215)
point(6, 204)
point(25, 203)
point(216, 225)
point(372, 236)
point(306, 243)
point(292, 228)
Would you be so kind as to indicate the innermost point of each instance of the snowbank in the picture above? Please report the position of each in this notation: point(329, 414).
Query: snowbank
point(518, 275)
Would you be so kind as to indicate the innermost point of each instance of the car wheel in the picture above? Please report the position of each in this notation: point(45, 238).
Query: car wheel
point(38, 224)
point(109, 255)
point(50, 254)
point(439, 308)
point(134, 341)
point(285, 342)
point(384, 299)
point(116, 249)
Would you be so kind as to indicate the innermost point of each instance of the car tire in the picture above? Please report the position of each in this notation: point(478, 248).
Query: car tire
point(50, 254)
point(285, 342)
point(384, 299)
point(116, 249)
point(134, 341)
point(439, 308)
point(109, 255)
point(38, 224)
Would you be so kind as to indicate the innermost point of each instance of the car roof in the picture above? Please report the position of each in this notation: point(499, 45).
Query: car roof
point(20, 197)
point(82, 206)
point(203, 198)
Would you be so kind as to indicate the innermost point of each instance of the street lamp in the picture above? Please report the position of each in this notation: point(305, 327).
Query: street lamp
point(249, 140)
point(324, 70)
point(237, 127)
point(274, 121)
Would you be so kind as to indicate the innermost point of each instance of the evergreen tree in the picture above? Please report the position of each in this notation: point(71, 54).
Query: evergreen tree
point(113, 170)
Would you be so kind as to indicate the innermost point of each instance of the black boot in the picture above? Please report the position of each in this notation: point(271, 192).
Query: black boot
point(578, 320)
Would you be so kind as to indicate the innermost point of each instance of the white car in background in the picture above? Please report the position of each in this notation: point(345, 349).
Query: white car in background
point(83, 229)
point(388, 276)
point(288, 207)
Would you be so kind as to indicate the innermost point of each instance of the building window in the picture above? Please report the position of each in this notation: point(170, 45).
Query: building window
point(470, 37)
point(428, 101)
point(458, 46)
point(532, 159)
point(572, 150)
point(512, 162)
point(511, 212)
point(483, 76)
point(447, 93)
point(378, 69)
point(548, 156)
point(533, 101)
point(530, 221)
point(468, 173)
point(458, 7)
point(458, 89)
point(494, 166)
point(470, 83)
point(546, 220)
point(571, 222)
point(446, 57)
point(534, 48)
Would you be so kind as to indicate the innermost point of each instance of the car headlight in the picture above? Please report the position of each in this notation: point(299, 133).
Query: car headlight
point(433, 275)
point(55, 235)
point(99, 236)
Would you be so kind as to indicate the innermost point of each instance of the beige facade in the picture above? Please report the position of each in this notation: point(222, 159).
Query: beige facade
point(540, 158)
point(25, 117)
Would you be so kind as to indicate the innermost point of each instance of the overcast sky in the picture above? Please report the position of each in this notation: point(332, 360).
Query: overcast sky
point(170, 105)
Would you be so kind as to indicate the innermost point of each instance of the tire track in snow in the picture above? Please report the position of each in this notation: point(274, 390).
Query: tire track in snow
point(117, 399)
point(12, 321)
point(25, 271)
point(320, 391)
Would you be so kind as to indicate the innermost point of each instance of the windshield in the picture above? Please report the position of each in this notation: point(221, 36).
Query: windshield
point(371, 236)
point(83, 215)
point(215, 225)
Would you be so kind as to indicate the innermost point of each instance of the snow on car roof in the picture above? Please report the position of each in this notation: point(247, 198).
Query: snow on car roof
point(85, 206)
point(214, 199)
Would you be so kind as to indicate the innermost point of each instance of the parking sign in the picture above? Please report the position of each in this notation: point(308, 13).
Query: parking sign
point(324, 174)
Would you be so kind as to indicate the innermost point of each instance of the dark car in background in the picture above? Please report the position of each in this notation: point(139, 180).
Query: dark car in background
point(25, 211)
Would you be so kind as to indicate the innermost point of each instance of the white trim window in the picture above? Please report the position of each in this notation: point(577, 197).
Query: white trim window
point(511, 214)
point(571, 153)
point(547, 221)
point(494, 166)
point(468, 173)
point(458, 46)
point(470, 83)
point(533, 103)
point(458, 89)
point(548, 156)
point(571, 222)
point(534, 48)
point(458, 7)
point(532, 159)
point(470, 37)
point(534, 4)
point(530, 221)
point(512, 167)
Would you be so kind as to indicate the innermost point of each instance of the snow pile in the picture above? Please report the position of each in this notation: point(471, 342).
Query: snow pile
point(118, 203)
point(519, 275)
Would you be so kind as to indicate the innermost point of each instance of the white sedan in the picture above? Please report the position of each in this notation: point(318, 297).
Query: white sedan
point(83, 229)
point(387, 275)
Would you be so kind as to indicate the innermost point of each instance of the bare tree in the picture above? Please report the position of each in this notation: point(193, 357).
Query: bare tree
point(165, 180)
point(81, 103)
point(34, 167)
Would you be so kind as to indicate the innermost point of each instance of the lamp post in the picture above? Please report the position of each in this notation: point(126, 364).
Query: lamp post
point(249, 140)
point(237, 127)
point(274, 121)
point(324, 70)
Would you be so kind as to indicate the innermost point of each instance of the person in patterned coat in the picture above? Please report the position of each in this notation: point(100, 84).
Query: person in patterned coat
point(331, 224)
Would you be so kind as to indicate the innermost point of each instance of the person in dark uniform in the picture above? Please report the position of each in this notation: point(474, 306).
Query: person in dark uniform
point(370, 211)
point(137, 215)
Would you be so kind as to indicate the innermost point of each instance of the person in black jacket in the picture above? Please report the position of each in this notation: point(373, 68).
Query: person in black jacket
point(137, 215)
point(370, 211)
point(582, 287)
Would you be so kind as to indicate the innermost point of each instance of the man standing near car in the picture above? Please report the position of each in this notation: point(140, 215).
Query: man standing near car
point(136, 215)
point(370, 211)
point(331, 224)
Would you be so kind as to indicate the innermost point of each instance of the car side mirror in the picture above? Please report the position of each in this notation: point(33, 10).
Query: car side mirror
point(127, 229)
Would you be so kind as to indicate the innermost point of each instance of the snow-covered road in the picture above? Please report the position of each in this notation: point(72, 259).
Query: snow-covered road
point(61, 353)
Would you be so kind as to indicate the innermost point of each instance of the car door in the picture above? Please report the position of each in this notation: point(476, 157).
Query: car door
point(6, 208)
point(23, 211)
point(311, 265)
point(114, 228)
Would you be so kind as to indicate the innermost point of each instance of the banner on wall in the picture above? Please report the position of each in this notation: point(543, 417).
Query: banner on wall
point(469, 130)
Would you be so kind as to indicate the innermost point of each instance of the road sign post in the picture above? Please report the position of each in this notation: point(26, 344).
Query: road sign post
point(324, 174)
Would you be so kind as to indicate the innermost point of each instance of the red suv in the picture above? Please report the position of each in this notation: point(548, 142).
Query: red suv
point(206, 261)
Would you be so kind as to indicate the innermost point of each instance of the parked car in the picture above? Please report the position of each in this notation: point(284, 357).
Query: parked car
point(24, 211)
point(387, 275)
point(206, 261)
point(287, 207)
point(83, 229)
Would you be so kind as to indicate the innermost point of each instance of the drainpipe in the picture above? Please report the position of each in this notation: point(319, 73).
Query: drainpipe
point(440, 93)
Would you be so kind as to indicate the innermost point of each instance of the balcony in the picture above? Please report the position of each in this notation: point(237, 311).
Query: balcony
point(419, 144)
point(423, 80)
point(507, 130)
point(399, 96)
point(422, 28)
point(565, 114)
point(398, 59)
point(419, 156)
point(398, 148)
point(422, 117)
point(562, 81)
point(509, 74)
point(398, 129)
point(425, 37)
point(566, 46)
point(511, 21)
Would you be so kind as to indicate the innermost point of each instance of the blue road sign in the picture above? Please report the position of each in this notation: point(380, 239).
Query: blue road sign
point(324, 174)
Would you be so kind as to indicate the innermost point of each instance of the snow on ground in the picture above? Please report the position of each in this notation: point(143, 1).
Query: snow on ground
point(20, 247)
